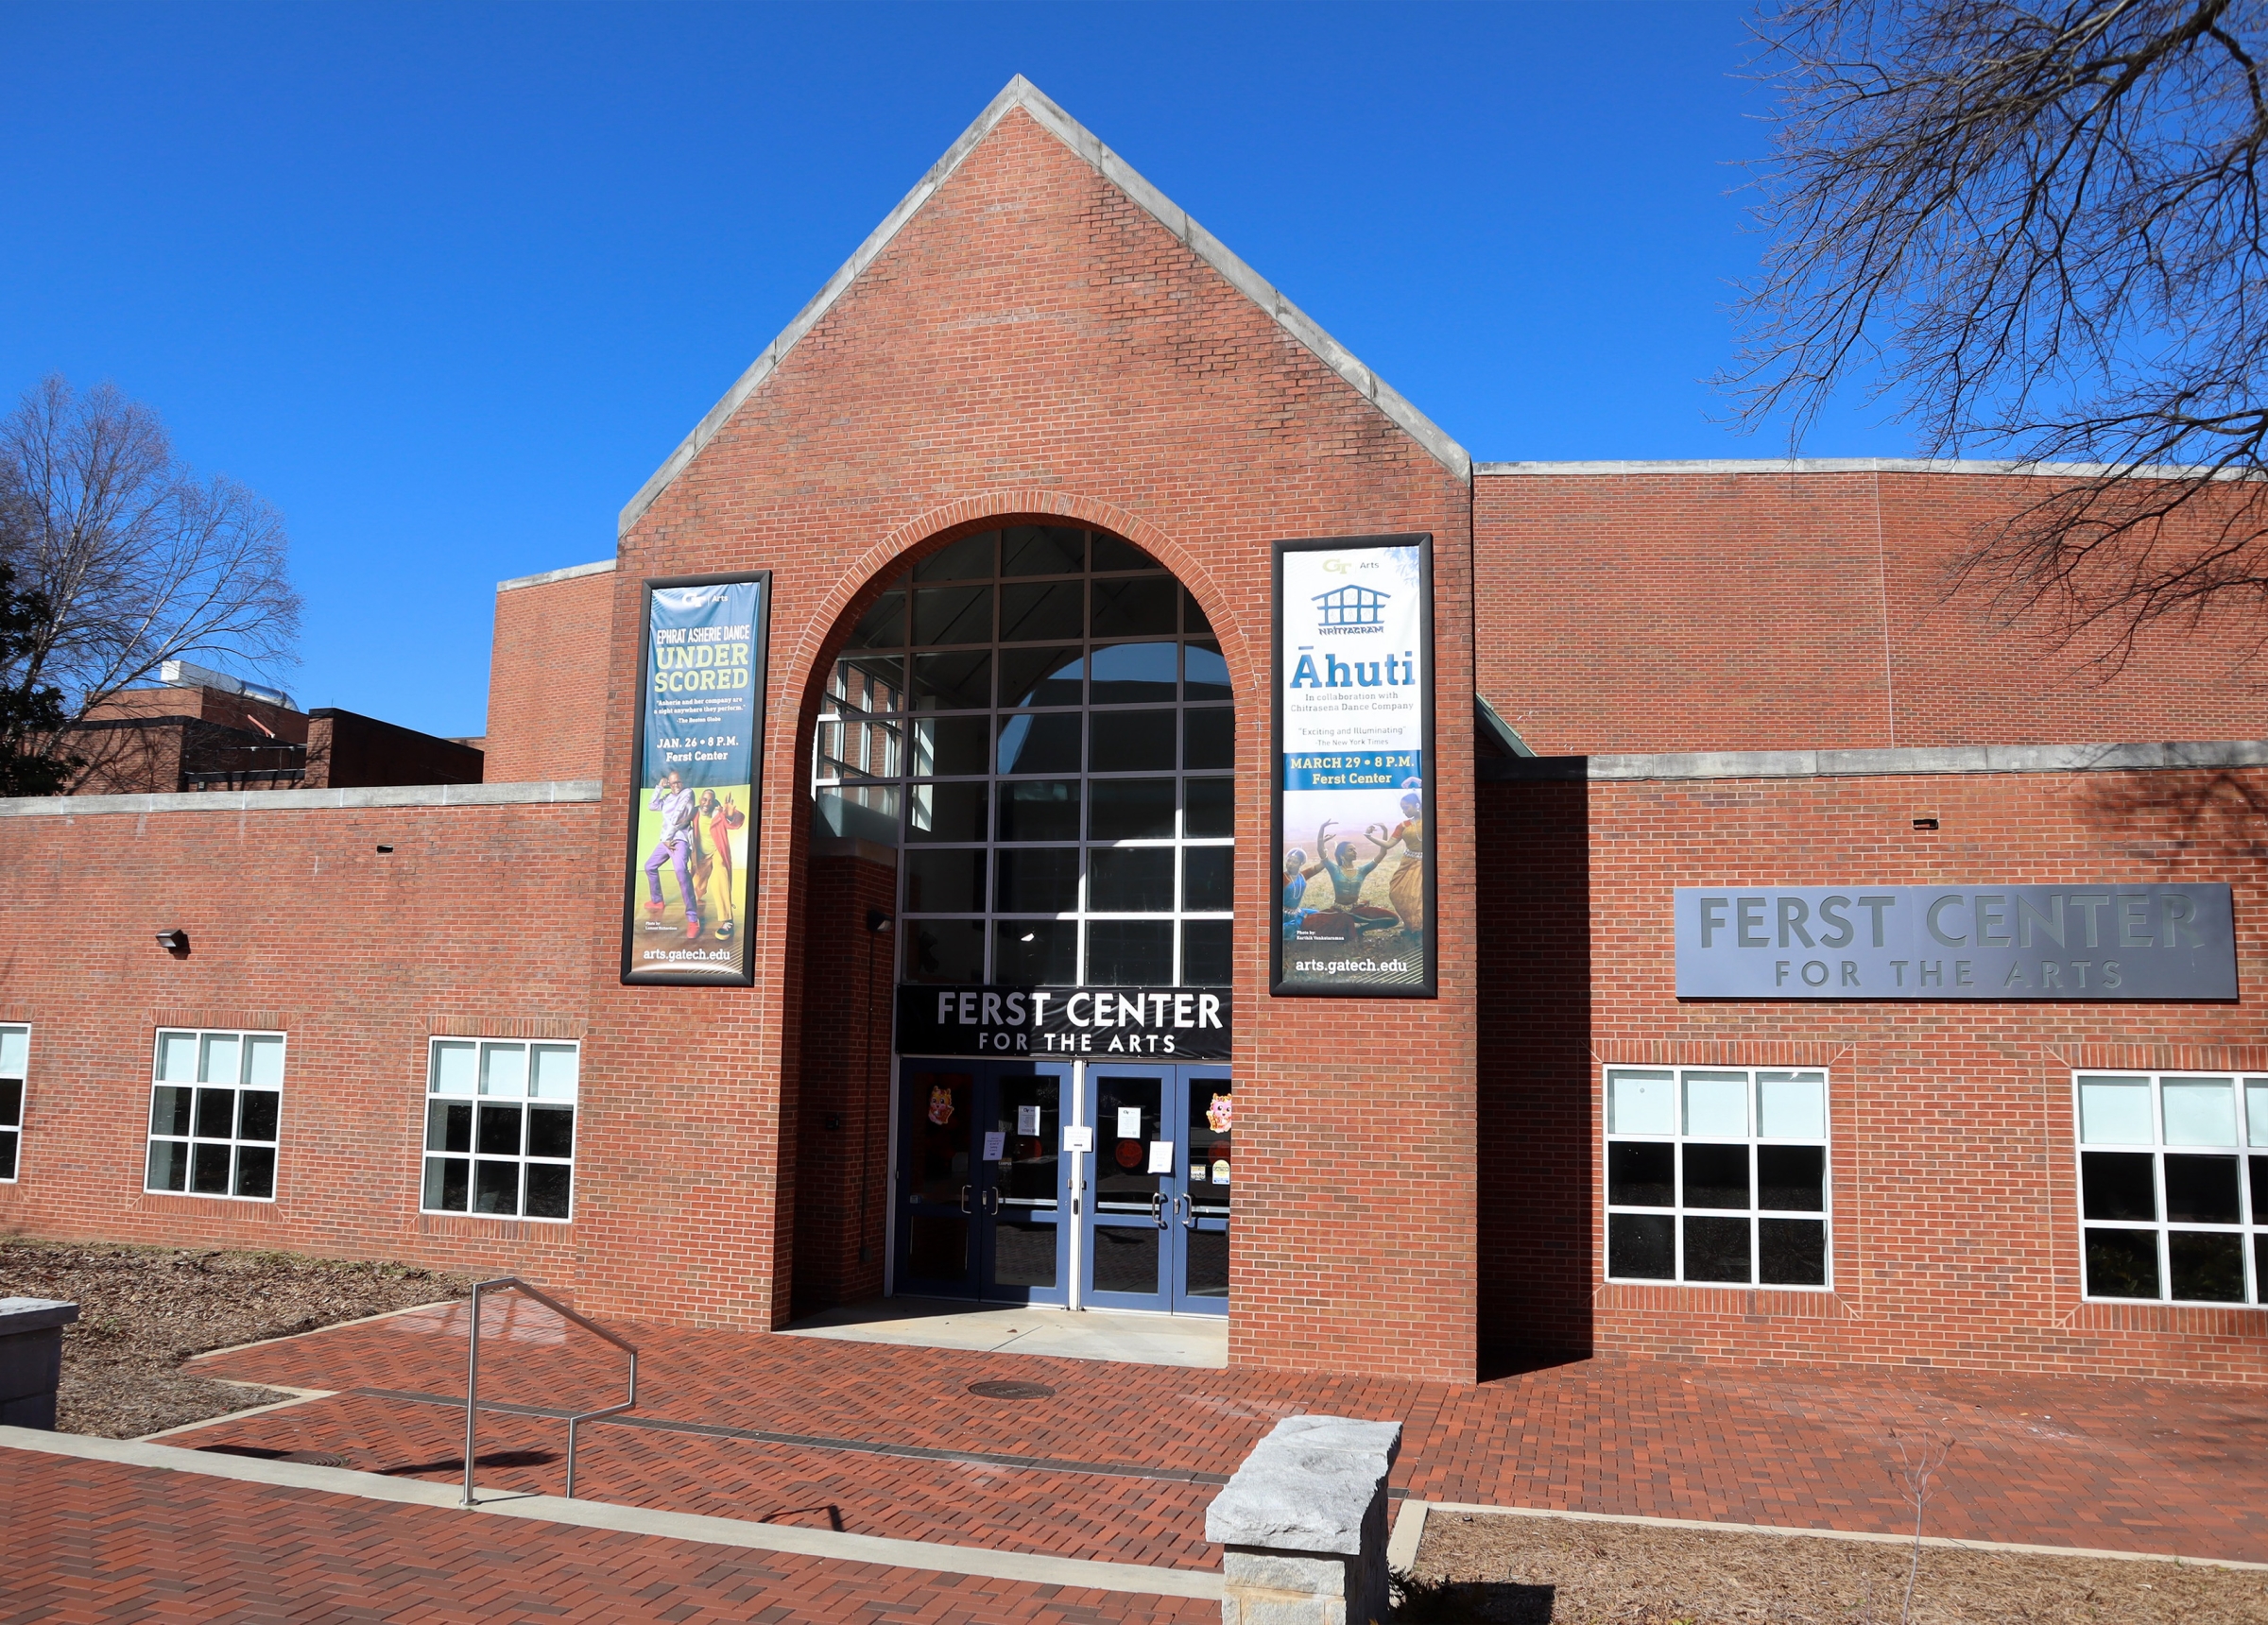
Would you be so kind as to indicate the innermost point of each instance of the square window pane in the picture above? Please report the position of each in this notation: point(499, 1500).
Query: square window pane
point(220, 1059)
point(499, 1130)
point(2202, 1190)
point(1208, 807)
point(209, 1169)
point(1042, 677)
point(1210, 740)
point(256, 1113)
point(1642, 1102)
point(15, 1044)
point(2118, 1185)
point(1642, 1246)
point(1790, 1105)
point(1130, 809)
point(256, 1170)
point(947, 881)
point(1131, 880)
point(1792, 1179)
point(496, 1187)
point(1041, 743)
point(1716, 1250)
point(968, 559)
point(1716, 1175)
point(216, 1114)
point(1717, 1103)
point(1133, 741)
point(449, 1125)
point(2201, 1111)
point(1039, 810)
point(168, 1165)
point(2207, 1267)
point(946, 812)
point(12, 1102)
point(869, 685)
point(264, 1061)
point(2256, 1111)
point(455, 1066)
point(1208, 877)
point(1043, 549)
point(2115, 1111)
point(1035, 952)
point(177, 1057)
point(1130, 953)
point(1034, 612)
point(950, 615)
point(1138, 607)
point(864, 813)
point(1205, 954)
point(448, 1184)
point(2121, 1264)
point(944, 950)
point(1128, 673)
point(1206, 675)
point(169, 1109)
point(1791, 1252)
point(1641, 1174)
point(958, 682)
point(558, 1066)
point(882, 627)
point(551, 1131)
point(548, 1190)
point(503, 1071)
point(1043, 879)
point(859, 750)
point(2259, 1193)
point(952, 744)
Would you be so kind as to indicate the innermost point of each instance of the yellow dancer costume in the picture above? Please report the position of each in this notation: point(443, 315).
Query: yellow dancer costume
point(1405, 887)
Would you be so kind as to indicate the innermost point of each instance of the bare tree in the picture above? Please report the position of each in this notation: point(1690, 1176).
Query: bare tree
point(135, 559)
point(2039, 228)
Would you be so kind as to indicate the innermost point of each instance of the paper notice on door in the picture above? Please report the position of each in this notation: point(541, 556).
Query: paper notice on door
point(1079, 1139)
point(996, 1142)
point(1161, 1156)
point(1027, 1119)
point(1129, 1122)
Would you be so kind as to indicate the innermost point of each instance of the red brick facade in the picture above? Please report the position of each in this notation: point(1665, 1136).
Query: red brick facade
point(547, 677)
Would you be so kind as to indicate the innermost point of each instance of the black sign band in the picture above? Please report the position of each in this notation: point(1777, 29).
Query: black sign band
point(1066, 1023)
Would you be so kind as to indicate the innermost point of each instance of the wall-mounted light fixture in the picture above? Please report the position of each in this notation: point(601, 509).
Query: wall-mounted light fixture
point(174, 941)
point(877, 919)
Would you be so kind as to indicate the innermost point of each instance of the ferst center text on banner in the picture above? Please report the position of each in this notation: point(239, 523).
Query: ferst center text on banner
point(2065, 941)
point(1186, 1023)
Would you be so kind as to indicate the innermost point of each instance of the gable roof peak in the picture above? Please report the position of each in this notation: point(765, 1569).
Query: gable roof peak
point(1021, 92)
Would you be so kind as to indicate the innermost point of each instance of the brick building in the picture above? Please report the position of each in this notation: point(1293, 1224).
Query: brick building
point(1017, 475)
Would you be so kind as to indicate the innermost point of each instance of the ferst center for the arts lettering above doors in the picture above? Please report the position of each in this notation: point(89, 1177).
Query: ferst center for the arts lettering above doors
point(1187, 1023)
point(1956, 942)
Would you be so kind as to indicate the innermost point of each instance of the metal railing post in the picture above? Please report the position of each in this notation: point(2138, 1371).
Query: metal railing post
point(472, 1388)
point(576, 1419)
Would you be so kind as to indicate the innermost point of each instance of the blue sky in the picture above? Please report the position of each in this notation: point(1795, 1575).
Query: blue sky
point(445, 284)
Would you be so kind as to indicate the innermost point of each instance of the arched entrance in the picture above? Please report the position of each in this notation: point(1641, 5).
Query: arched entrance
point(1024, 759)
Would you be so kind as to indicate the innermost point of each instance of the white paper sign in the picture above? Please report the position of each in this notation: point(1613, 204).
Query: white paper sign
point(1161, 1156)
point(1027, 1119)
point(1129, 1122)
point(1080, 1138)
point(995, 1141)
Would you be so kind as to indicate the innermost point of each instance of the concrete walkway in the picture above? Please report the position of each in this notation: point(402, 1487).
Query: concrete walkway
point(1197, 1341)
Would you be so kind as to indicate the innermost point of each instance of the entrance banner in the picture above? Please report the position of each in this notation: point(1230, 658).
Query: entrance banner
point(2060, 942)
point(1188, 1024)
point(692, 809)
point(1353, 777)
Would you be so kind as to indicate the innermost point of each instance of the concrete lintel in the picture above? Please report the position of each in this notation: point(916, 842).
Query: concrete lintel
point(535, 792)
point(544, 578)
point(1710, 465)
point(1021, 92)
point(1937, 761)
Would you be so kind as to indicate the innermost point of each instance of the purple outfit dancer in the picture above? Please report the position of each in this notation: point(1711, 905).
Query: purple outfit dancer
point(675, 805)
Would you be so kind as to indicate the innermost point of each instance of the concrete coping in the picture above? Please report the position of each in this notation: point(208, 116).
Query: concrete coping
point(1308, 1486)
point(565, 573)
point(534, 792)
point(1939, 759)
point(34, 1314)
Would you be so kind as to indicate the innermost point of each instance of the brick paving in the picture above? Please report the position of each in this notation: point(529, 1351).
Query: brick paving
point(2121, 1464)
point(96, 1541)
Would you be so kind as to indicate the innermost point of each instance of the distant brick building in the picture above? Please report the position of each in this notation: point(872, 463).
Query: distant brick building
point(1016, 475)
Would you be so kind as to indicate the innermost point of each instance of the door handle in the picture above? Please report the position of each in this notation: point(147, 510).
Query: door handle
point(990, 1199)
point(964, 1198)
point(1158, 1209)
point(1189, 1211)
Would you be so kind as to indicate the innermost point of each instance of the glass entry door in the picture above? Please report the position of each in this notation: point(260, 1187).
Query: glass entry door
point(1156, 1234)
point(983, 1189)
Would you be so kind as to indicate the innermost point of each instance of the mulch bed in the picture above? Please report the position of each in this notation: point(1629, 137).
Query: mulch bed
point(1511, 1570)
point(143, 1310)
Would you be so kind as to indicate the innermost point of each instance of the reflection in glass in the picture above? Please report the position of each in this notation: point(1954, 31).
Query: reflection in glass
point(1041, 742)
point(1130, 953)
point(1041, 611)
point(1042, 879)
point(968, 559)
point(1034, 953)
point(1043, 549)
point(944, 950)
point(1043, 677)
point(1130, 674)
point(1204, 961)
point(1039, 810)
point(961, 680)
point(1131, 809)
point(950, 882)
point(1131, 880)
point(1133, 741)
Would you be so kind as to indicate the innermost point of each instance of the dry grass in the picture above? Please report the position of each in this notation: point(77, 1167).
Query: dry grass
point(143, 1310)
point(1551, 1571)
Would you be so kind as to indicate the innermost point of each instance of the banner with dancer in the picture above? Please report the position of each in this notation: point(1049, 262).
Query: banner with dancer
point(692, 812)
point(1354, 738)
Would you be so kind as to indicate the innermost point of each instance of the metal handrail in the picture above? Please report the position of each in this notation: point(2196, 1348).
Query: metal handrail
point(472, 1371)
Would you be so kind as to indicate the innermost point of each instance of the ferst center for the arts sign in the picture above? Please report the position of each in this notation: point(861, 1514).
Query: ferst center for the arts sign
point(1956, 942)
point(1033, 1023)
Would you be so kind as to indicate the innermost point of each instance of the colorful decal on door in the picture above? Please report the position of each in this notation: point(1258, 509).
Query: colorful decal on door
point(1219, 1112)
point(940, 1105)
point(1220, 1172)
point(1129, 1152)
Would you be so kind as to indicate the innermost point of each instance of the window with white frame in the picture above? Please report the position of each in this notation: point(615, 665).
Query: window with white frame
point(499, 1128)
point(15, 1053)
point(1717, 1175)
point(215, 1107)
point(2174, 1187)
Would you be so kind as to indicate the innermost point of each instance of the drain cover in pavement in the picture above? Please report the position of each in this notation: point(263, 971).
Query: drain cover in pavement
point(314, 1458)
point(1011, 1391)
